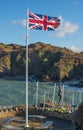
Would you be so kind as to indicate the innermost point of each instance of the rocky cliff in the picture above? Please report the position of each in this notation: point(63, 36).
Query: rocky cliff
point(46, 62)
point(12, 59)
point(53, 63)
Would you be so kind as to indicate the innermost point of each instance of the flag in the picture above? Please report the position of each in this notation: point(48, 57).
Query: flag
point(43, 22)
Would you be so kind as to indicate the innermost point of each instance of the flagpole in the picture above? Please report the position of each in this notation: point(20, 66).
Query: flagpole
point(53, 95)
point(37, 94)
point(27, 125)
point(44, 100)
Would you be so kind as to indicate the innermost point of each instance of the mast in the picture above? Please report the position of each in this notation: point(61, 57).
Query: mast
point(27, 23)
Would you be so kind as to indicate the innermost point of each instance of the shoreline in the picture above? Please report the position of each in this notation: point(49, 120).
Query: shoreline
point(73, 82)
point(18, 77)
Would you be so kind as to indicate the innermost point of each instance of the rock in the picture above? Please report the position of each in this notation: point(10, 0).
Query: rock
point(46, 62)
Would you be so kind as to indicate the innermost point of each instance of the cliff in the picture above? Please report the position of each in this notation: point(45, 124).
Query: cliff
point(53, 63)
point(45, 61)
point(12, 59)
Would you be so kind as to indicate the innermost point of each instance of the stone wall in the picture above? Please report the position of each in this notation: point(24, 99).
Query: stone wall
point(12, 111)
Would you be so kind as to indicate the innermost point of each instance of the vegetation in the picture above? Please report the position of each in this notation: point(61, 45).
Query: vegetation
point(46, 62)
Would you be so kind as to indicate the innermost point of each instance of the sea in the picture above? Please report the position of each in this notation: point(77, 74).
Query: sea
point(13, 92)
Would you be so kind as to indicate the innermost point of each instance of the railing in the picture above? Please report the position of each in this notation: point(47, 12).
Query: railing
point(53, 92)
point(13, 93)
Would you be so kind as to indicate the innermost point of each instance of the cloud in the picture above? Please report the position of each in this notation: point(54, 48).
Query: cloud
point(20, 22)
point(75, 49)
point(66, 28)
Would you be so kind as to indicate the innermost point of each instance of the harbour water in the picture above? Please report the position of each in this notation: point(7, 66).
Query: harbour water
point(13, 92)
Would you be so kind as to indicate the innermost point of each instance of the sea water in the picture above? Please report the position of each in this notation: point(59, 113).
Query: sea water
point(13, 92)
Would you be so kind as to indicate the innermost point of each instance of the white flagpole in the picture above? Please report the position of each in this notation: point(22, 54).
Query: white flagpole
point(80, 97)
point(44, 100)
point(27, 24)
point(37, 94)
point(73, 102)
point(62, 94)
point(53, 95)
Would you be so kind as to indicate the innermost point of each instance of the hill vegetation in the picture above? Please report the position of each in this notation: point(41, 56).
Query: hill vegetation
point(12, 59)
point(53, 63)
point(46, 62)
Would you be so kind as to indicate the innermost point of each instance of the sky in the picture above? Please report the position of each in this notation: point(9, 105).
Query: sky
point(69, 34)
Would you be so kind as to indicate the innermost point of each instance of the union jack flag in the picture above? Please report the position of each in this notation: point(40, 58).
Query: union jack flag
point(43, 22)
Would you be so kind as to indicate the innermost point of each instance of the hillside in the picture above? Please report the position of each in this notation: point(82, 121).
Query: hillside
point(12, 60)
point(46, 62)
point(52, 63)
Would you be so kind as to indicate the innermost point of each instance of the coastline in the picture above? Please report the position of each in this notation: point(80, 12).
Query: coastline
point(16, 77)
point(23, 77)
point(73, 82)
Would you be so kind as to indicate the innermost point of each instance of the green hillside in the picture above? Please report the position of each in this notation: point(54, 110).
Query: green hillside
point(46, 62)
